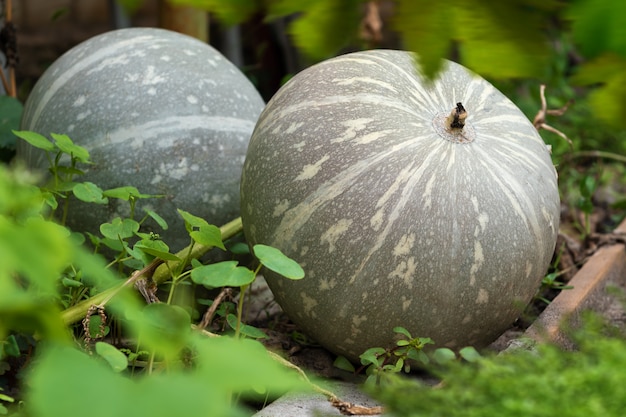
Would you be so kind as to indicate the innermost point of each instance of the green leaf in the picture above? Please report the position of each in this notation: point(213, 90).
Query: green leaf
point(201, 231)
point(10, 347)
point(77, 368)
point(189, 393)
point(208, 235)
point(341, 362)
point(64, 186)
point(418, 355)
point(402, 331)
point(598, 26)
point(281, 8)
point(245, 329)
point(550, 278)
point(36, 239)
point(119, 228)
point(192, 221)
point(426, 28)
point(599, 70)
point(608, 99)
point(65, 144)
point(165, 328)
point(130, 6)
point(398, 366)
point(114, 357)
point(240, 364)
point(158, 219)
point(443, 356)
point(423, 341)
point(588, 186)
point(122, 193)
point(113, 244)
point(326, 26)
point(95, 322)
point(156, 248)
point(36, 140)
point(89, 193)
point(371, 356)
point(222, 274)
point(10, 115)
point(239, 248)
point(275, 260)
point(470, 354)
point(228, 12)
point(126, 193)
point(68, 171)
point(67, 282)
point(501, 39)
point(50, 200)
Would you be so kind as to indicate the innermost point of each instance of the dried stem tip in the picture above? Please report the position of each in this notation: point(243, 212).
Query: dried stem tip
point(457, 117)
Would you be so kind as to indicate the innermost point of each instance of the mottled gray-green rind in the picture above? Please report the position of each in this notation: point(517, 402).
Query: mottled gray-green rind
point(393, 224)
point(158, 110)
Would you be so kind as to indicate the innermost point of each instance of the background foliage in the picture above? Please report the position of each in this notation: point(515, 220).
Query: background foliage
point(545, 381)
point(498, 40)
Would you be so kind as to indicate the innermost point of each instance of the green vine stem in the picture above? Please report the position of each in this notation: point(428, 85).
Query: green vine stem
point(596, 154)
point(161, 274)
point(242, 293)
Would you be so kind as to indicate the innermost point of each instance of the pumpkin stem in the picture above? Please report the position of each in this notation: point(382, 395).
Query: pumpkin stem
point(457, 117)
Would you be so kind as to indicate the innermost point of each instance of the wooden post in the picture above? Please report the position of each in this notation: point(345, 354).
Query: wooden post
point(184, 19)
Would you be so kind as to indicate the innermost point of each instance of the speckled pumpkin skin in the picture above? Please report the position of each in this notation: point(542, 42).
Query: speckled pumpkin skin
point(158, 110)
point(349, 173)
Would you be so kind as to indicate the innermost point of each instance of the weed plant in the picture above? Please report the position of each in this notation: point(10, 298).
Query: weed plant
point(60, 303)
point(546, 381)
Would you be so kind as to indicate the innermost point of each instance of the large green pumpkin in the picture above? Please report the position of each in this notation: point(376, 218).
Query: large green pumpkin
point(157, 110)
point(403, 207)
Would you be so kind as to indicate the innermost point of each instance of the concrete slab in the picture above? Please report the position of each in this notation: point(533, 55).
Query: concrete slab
point(317, 405)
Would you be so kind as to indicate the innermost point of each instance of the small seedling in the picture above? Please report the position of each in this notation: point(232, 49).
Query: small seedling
point(551, 280)
point(380, 362)
point(587, 188)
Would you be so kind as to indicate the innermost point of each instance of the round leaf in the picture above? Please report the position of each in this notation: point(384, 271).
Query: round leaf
point(443, 355)
point(126, 193)
point(222, 274)
point(470, 354)
point(275, 260)
point(122, 193)
point(165, 328)
point(114, 357)
point(239, 248)
point(119, 228)
point(95, 330)
point(89, 193)
point(344, 364)
point(245, 329)
point(156, 248)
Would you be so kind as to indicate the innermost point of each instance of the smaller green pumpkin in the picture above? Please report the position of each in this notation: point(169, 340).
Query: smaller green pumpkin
point(157, 110)
point(429, 206)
